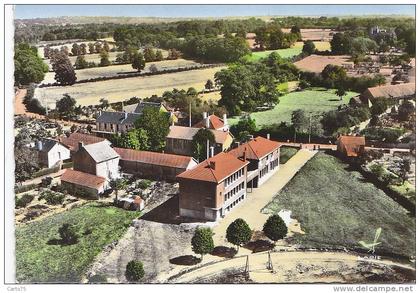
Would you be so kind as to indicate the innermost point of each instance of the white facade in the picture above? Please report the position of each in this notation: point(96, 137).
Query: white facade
point(56, 154)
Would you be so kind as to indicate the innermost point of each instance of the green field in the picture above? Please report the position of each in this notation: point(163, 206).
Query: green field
point(338, 208)
point(296, 49)
point(37, 261)
point(286, 153)
point(316, 100)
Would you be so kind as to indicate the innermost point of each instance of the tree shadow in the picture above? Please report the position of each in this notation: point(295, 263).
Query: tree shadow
point(60, 242)
point(224, 251)
point(259, 245)
point(185, 260)
point(334, 100)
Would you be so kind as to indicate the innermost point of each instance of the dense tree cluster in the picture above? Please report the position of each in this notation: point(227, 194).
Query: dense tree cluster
point(271, 37)
point(29, 67)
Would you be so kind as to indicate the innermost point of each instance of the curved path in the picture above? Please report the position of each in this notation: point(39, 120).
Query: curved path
point(295, 266)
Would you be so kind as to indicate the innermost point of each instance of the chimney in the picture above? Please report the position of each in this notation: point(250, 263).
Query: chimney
point(125, 115)
point(212, 151)
point(81, 144)
point(100, 113)
point(207, 122)
point(225, 121)
point(244, 155)
point(204, 115)
point(268, 136)
point(238, 143)
point(39, 145)
point(213, 165)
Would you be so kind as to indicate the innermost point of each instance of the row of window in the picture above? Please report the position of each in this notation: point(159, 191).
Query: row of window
point(234, 191)
point(233, 204)
point(235, 176)
point(274, 164)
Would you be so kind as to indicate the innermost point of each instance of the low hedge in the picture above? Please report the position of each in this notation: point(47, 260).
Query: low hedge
point(25, 188)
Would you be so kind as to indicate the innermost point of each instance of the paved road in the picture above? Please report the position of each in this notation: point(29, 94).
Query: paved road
point(250, 209)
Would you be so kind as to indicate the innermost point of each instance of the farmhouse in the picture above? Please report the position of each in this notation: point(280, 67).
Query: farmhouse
point(154, 165)
point(97, 159)
point(81, 183)
point(213, 122)
point(115, 122)
point(138, 109)
point(72, 141)
point(351, 146)
point(263, 155)
point(51, 152)
point(212, 188)
point(179, 140)
point(397, 91)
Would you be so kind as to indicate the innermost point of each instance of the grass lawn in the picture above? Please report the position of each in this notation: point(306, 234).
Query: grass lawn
point(296, 49)
point(407, 190)
point(337, 208)
point(37, 261)
point(316, 100)
point(286, 153)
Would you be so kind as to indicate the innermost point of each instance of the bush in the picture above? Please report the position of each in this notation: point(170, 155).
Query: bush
point(45, 182)
point(52, 198)
point(46, 171)
point(134, 271)
point(238, 232)
point(275, 228)
point(24, 188)
point(35, 106)
point(144, 184)
point(23, 201)
point(383, 134)
point(202, 241)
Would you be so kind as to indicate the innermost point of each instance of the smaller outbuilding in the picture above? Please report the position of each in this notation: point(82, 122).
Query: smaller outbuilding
point(51, 152)
point(83, 184)
point(351, 146)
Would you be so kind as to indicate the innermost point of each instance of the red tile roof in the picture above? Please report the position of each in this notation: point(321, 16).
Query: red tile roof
point(352, 144)
point(82, 179)
point(256, 148)
point(215, 122)
point(169, 160)
point(224, 165)
point(187, 133)
point(72, 142)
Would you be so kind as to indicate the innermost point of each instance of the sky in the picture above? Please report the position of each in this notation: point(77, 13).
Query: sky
point(44, 11)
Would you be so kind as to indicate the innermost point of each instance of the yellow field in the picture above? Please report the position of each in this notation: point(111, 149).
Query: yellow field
point(123, 89)
point(114, 70)
point(213, 96)
point(320, 46)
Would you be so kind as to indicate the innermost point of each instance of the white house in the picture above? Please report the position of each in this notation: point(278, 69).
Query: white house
point(51, 152)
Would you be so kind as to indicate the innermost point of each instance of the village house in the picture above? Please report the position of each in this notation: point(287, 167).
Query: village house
point(158, 166)
point(213, 187)
point(351, 146)
point(138, 109)
point(213, 122)
point(180, 138)
point(397, 92)
point(263, 155)
point(96, 164)
point(72, 141)
point(109, 123)
point(51, 152)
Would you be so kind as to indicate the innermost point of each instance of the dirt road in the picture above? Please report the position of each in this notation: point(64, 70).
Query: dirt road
point(250, 209)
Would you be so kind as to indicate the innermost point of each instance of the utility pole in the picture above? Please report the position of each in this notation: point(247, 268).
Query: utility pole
point(310, 126)
point(190, 113)
point(208, 146)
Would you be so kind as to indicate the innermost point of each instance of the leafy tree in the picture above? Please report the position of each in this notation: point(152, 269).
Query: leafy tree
point(406, 110)
point(35, 106)
point(308, 47)
point(246, 125)
point(98, 47)
point(29, 67)
point(104, 58)
point(334, 74)
point(158, 55)
point(200, 143)
point(238, 233)
point(91, 48)
point(360, 46)
point(156, 126)
point(26, 160)
point(83, 50)
point(68, 234)
point(80, 62)
point(300, 121)
point(379, 106)
point(340, 44)
point(149, 54)
point(104, 103)
point(340, 92)
point(275, 228)
point(153, 68)
point(135, 139)
point(138, 61)
point(64, 71)
point(118, 184)
point(75, 50)
point(66, 106)
point(134, 271)
point(209, 84)
point(47, 51)
point(404, 168)
point(202, 241)
point(173, 54)
point(106, 47)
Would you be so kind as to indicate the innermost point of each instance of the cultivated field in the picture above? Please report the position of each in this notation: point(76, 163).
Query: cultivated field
point(316, 63)
point(315, 34)
point(115, 70)
point(38, 261)
point(123, 89)
point(296, 49)
point(338, 208)
point(316, 100)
